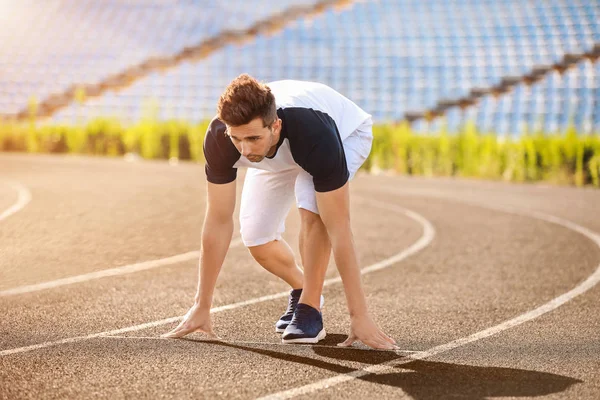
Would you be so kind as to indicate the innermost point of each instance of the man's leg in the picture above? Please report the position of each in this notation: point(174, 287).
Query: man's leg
point(315, 251)
point(277, 258)
point(267, 198)
point(306, 325)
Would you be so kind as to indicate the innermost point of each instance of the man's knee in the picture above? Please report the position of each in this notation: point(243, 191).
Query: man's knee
point(309, 219)
point(261, 252)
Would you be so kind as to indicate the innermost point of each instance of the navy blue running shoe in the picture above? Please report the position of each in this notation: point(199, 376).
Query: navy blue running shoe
point(286, 318)
point(305, 327)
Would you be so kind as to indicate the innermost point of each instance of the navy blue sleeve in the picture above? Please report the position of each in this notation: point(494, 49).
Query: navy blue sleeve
point(317, 147)
point(327, 165)
point(220, 154)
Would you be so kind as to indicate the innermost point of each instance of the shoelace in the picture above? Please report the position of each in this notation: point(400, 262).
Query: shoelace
point(292, 304)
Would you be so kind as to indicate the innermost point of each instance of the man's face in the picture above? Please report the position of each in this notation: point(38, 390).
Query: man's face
point(255, 141)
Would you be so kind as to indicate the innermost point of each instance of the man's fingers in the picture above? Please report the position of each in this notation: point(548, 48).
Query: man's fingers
point(180, 331)
point(212, 336)
point(208, 332)
point(176, 333)
point(388, 343)
point(380, 343)
point(173, 331)
point(386, 338)
point(185, 329)
point(348, 342)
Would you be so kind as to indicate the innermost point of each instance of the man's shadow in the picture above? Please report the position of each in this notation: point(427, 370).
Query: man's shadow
point(425, 380)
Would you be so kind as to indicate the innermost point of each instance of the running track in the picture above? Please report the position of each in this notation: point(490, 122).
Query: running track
point(488, 288)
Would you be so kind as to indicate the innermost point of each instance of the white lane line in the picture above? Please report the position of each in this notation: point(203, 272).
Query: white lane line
point(142, 266)
point(425, 239)
point(126, 269)
point(24, 197)
point(389, 367)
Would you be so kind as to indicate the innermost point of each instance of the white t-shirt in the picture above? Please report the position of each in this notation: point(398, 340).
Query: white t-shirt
point(316, 120)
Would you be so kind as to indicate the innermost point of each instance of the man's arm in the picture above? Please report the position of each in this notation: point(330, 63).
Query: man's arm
point(334, 208)
point(216, 237)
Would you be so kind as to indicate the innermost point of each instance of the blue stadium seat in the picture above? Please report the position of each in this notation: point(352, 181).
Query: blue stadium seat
point(389, 56)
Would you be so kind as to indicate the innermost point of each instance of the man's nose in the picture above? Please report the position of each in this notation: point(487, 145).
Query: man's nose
point(245, 149)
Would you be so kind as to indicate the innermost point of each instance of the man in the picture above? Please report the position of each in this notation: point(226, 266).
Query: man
point(299, 138)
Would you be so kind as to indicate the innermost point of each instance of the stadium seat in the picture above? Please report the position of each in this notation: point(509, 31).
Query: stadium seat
point(390, 56)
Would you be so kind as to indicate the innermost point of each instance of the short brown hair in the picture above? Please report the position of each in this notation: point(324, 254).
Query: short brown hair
point(245, 99)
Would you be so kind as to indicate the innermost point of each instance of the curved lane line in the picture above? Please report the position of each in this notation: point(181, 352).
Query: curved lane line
point(390, 367)
point(425, 239)
point(23, 199)
point(126, 269)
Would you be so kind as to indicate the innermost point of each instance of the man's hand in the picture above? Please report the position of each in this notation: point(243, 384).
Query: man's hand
point(364, 329)
point(197, 319)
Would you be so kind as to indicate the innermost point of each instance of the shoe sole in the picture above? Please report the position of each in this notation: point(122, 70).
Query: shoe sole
point(314, 340)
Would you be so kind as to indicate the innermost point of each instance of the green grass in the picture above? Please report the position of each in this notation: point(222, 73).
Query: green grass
point(563, 158)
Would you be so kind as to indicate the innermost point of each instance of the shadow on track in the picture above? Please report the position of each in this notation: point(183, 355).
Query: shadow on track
point(426, 380)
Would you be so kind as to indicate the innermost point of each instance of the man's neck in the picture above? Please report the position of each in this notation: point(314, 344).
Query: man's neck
point(276, 137)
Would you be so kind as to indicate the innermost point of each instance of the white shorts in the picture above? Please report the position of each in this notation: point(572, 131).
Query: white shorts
point(267, 196)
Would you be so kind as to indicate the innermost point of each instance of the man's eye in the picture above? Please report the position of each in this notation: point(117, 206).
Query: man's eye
point(253, 139)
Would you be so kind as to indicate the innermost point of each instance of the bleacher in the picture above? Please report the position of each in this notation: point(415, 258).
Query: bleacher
point(48, 45)
point(390, 56)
